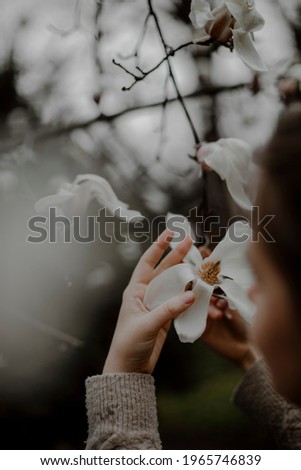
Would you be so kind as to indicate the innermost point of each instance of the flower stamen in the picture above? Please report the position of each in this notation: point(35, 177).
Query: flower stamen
point(209, 272)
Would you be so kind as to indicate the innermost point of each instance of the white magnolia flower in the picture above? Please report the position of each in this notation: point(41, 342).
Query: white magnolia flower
point(231, 159)
point(73, 198)
point(226, 268)
point(234, 19)
point(294, 72)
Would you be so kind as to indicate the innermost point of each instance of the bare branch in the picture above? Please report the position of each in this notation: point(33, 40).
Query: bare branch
point(171, 73)
point(171, 53)
point(139, 43)
point(97, 36)
point(137, 78)
point(45, 133)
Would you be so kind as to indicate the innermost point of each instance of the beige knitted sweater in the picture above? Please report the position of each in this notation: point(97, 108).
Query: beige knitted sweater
point(122, 412)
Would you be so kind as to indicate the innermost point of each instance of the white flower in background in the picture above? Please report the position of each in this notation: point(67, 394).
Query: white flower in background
point(73, 198)
point(234, 19)
point(294, 72)
point(231, 159)
point(226, 268)
point(289, 85)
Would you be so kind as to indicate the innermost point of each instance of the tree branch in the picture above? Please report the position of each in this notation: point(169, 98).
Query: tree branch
point(139, 43)
point(171, 73)
point(208, 91)
point(46, 132)
point(171, 53)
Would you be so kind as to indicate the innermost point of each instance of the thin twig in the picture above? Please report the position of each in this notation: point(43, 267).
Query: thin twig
point(163, 122)
point(144, 74)
point(97, 36)
point(139, 43)
point(171, 73)
point(172, 52)
point(169, 52)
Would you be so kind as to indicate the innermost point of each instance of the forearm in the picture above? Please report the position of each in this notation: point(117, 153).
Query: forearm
point(122, 412)
point(256, 396)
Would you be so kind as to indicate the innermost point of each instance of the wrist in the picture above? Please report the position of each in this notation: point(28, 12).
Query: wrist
point(114, 366)
point(249, 358)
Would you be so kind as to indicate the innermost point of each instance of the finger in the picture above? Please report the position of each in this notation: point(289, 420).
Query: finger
point(205, 251)
point(229, 315)
point(169, 310)
point(145, 268)
point(175, 256)
point(222, 304)
point(215, 313)
point(232, 314)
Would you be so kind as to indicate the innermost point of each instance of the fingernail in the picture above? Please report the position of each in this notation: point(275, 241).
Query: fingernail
point(188, 297)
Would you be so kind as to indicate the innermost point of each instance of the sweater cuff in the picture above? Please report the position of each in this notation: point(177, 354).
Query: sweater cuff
point(253, 388)
point(121, 402)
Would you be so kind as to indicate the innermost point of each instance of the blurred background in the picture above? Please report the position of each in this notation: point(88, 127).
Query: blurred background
point(63, 113)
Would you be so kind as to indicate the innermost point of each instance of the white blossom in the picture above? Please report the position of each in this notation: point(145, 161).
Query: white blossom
point(231, 159)
point(73, 198)
point(226, 268)
point(234, 19)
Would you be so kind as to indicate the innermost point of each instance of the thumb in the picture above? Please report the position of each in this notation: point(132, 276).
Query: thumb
point(170, 310)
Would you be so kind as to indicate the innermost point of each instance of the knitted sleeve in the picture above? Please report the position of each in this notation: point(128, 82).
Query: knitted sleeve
point(257, 398)
point(122, 412)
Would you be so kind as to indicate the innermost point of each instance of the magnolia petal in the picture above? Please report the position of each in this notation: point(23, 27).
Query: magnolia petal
point(168, 284)
point(73, 199)
point(246, 15)
point(180, 226)
point(238, 193)
point(194, 258)
point(57, 200)
point(245, 49)
point(179, 223)
point(192, 323)
point(231, 251)
point(202, 36)
point(231, 160)
point(226, 156)
point(239, 300)
point(68, 202)
point(200, 13)
point(102, 191)
point(294, 72)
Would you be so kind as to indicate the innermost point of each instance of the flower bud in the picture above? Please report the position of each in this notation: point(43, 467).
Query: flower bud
point(220, 27)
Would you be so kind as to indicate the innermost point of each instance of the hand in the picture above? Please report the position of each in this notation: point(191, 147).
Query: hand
point(228, 334)
point(140, 334)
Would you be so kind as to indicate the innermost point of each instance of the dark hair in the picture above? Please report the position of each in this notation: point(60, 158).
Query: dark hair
point(280, 195)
